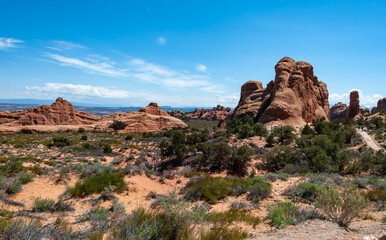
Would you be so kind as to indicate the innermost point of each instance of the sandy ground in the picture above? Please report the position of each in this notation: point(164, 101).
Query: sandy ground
point(369, 140)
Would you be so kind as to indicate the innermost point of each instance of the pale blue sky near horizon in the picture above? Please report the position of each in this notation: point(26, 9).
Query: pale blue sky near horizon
point(185, 53)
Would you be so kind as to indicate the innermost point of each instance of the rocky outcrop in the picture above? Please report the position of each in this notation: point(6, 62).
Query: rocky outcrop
point(354, 108)
point(61, 112)
point(381, 105)
point(153, 109)
point(139, 122)
point(339, 110)
point(175, 113)
point(216, 113)
point(295, 97)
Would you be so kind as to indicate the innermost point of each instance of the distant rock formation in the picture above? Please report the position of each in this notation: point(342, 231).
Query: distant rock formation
point(139, 122)
point(339, 110)
point(216, 113)
point(175, 113)
point(354, 108)
point(61, 112)
point(295, 97)
point(381, 105)
point(153, 109)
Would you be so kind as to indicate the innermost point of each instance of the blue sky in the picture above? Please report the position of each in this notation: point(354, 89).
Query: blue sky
point(186, 53)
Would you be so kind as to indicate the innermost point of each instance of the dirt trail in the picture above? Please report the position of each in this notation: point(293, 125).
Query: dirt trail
point(369, 140)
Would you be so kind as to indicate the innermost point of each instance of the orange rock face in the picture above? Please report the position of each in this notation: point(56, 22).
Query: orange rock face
point(153, 109)
point(61, 112)
point(295, 97)
point(339, 110)
point(216, 113)
point(381, 105)
point(354, 108)
point(139, 122)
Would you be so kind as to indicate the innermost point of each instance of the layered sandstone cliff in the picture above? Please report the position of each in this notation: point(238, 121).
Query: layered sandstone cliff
point(295, 97)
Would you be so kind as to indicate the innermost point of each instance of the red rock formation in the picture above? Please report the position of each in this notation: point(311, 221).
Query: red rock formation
point(153, 109)
point(354, 108)
point(339, 110)
point(139, 122)
point(295, 97)
point(221, 123)
point(216, 113)
point(381, 105)
point(61, 112)
point(175, 113)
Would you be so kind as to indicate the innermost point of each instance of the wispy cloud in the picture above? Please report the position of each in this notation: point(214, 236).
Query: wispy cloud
point(92, 66)
point(201, 68)
point(158, 74)
point(365, 100)
point(60, 45)
point(83, 90)
point(161, 40)
point(7, 43)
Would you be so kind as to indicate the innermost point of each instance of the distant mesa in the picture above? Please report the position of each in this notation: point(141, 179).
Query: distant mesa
point(61, 112)
point(62, 116)
point(295, 97)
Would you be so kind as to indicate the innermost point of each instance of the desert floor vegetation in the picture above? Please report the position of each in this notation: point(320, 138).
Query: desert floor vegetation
point(203, 182)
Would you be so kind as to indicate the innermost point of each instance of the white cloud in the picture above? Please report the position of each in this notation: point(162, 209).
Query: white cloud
point(83, 90)
point(228, 100)
point(364, 100)
point(6, 43)
point(92, 66)
point(158, 74)
point(64, 45)
point(201, 68)
point(161, 40)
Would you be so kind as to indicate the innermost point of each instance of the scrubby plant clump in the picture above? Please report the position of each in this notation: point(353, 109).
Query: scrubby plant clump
point(97, 183)
point(341, 208)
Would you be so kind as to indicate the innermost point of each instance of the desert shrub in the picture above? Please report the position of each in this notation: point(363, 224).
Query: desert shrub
point(214, 156)
point(60, 142)
point(84, 138)
point(169, 220)
point(270, 140)
point(340, 208)
point(21, 229)
point(43, 205)
point(285, 213)
point(107, 149)
point(175, 148)
point(117, 125)
point(284, 133)
point(240, 161)
point(272, 177)
point(223, 232)
point(81, 130)
point(97, 183)
point(197, 137)
point(278, 157)
point(13, 187)
point(307, 130)
point(129, 137)
point(12, 167)
point(245, 127)
point(212, 189)
point(304, 190)
point(232, 216)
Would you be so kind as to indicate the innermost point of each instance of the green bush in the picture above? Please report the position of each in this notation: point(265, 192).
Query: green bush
point(212, 189)
point(340, 208)
point(97, 183)
point(232, 216)
point(43, 205)
point(107, 149)
point(223, 232)
point(304, 190)
point(240, 161)
point(277, 158)
point(84, 138)
point(285, 213)
point(284, 133)
point(26, 178)
point(60, 142)
point(117, 125)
